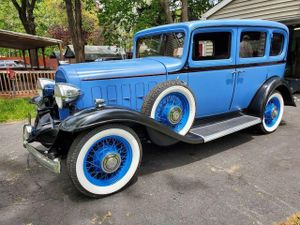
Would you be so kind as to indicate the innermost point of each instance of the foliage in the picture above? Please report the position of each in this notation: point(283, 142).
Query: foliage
point(198, 7)
point(103, 21)
point(9, 19)
point(120, 19)
point(15, 109)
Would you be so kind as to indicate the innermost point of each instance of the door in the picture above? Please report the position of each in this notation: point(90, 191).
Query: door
point(252, 54)
point(212, 73)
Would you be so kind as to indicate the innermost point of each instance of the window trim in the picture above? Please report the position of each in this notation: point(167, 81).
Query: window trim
point(265, 44)
point(263, 58)
point(282, 45)
point(215, 62)
point(282, 55)
point(160, 33)
point(230, 44)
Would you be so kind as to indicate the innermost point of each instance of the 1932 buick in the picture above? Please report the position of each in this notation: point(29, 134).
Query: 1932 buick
point(192, 82)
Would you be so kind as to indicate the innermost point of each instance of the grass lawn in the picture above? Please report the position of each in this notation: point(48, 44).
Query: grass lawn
point(15, 109)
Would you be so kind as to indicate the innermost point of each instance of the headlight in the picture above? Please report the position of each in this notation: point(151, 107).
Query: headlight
point(45, 87)
point(65, 93)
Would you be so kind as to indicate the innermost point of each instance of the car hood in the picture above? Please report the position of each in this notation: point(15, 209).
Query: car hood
point(118, 68)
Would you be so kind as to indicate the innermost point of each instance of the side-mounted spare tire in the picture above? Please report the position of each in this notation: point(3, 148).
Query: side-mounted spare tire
point(171, 103)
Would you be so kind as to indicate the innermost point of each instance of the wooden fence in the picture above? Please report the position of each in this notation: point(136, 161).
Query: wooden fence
point(18, 83)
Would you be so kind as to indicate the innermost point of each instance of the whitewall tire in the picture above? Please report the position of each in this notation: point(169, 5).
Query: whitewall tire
point(173, 104)
point(273, 113)
point(104, 160)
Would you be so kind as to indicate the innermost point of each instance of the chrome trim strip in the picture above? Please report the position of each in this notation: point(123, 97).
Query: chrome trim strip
point(52, 165)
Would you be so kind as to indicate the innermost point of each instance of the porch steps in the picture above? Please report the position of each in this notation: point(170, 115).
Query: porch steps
point(219, 129)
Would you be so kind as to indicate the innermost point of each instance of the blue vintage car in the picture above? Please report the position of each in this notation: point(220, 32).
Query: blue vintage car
point(192, 82)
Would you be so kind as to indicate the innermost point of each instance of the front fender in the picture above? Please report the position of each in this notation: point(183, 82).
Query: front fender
point(256, 106)
point(94, 117)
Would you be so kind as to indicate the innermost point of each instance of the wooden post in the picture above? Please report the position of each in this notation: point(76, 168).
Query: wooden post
point(30, 58)
point(61, 51)
point(24, 58)
point(37, 58)
point(44, 59)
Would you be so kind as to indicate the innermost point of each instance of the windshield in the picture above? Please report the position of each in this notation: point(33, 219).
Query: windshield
point(166, 44)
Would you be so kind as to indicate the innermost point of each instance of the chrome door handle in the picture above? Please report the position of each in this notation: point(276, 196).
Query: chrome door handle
point(233, 73)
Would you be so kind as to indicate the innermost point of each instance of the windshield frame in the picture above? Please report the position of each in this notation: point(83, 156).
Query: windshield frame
point(163, 30)
point(160, 35)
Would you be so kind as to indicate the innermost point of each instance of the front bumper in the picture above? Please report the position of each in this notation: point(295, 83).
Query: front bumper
point(43, 157)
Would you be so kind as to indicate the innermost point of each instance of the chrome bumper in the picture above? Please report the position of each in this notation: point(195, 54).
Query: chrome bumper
point(52, 164)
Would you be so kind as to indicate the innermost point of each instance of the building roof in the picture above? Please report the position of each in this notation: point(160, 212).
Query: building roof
point(216, 8)
point(10, 39)
point(284, 11)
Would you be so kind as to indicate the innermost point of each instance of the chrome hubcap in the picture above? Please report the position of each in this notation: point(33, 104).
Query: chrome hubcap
point(175, 115)
point(111, 162)
point(274, 113)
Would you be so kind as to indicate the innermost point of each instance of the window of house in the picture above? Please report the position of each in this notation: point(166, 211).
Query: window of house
point(276, 44)
point(252, 44)
point(211, 46)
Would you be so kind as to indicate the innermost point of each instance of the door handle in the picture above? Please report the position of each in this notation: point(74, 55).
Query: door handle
point(233, 73)
point(241, 71)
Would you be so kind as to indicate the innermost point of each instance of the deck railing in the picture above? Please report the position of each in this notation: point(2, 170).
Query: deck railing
point(18, 83)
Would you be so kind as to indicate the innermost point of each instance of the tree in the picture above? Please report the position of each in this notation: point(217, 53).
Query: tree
point(120, 19)
point(74, 13)
point(9, 19)
point(25, 10)
point(184, 10)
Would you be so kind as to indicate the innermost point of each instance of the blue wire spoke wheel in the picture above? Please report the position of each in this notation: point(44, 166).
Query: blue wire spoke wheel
point(107, 160)
point(104, 160)
point(273, 112)
point(172, 104)
point(173, 110)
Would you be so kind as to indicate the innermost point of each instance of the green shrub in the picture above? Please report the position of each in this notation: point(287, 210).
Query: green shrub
point(15, 109)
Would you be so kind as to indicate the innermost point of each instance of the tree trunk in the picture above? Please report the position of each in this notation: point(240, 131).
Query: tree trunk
point(184, 10)
point(25, 12)
point(166, 8)
point(75, 28)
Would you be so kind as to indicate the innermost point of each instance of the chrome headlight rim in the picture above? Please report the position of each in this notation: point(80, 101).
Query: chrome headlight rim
point(65, 93)
point(45, 83)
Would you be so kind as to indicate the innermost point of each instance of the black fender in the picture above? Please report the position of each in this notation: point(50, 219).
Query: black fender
point(256, 106)
point(94, 117)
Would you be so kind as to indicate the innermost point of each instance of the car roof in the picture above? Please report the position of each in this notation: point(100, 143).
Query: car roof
point(190, 26)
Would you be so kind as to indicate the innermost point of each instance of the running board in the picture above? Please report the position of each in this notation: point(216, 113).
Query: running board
point(216, 130)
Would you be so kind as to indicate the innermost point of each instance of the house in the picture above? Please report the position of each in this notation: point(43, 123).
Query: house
point(284, 11)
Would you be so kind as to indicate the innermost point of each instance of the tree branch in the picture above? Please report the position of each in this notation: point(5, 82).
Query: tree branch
point(184, 10)
point(16, 4)
point(166, 7)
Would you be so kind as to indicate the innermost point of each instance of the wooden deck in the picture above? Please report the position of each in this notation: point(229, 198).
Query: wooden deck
point(21, 83)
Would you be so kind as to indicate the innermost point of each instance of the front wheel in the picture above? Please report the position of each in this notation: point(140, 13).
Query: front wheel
point(273, 112)
point(104, 160)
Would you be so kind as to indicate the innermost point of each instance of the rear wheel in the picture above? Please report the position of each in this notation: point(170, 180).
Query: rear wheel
point(273, 112)
point(104, 160)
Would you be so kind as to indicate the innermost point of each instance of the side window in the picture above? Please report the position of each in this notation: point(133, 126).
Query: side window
point(276, 44)
point(211, 46)
point(252, 44)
